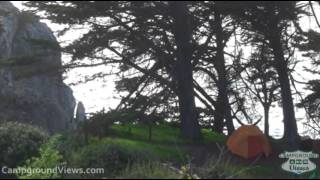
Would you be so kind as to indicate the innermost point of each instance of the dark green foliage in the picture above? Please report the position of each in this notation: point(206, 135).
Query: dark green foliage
point(99, 124)
point(312, 39)
point(113, 158)
point(169, 53)
point(68, 143)
point(310, 46)
point(49, 157)
point(19, 142)
point(311, 104)
point(140, 38)
point(271, 21)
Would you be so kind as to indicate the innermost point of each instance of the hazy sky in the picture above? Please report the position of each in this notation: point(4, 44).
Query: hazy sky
point(98, 94)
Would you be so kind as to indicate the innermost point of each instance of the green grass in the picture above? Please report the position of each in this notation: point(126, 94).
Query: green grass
point(158, 151)
point(263, 171)
point(149, 170)
point(162, 134)
point(213, 137)
point(166, 144)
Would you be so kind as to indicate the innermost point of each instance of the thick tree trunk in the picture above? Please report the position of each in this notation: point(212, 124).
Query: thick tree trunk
point(219, 114)
point(223, 99)
point(183, 72)
point(290, 124)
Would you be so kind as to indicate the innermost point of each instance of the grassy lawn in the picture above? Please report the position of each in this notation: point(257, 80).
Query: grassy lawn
point(163, 152)
point(162, 134)
point(168, 146)
point(166, 143)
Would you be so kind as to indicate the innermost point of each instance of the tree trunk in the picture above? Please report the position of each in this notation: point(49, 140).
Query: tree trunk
point(223, 99)
point(219, 114)
point(266, 120)
point(150, 132)
point(290, 124)
point(183, 72)
point(229, 120)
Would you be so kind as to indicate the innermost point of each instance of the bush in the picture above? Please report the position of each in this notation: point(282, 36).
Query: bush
point(221, 167)
point(68, 143)
point(49, 159)
point(149, 170)
point(112, 158)
point(18, 142)
point(98, 124)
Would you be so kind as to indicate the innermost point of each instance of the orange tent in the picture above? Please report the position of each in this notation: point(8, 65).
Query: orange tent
point(249, 142)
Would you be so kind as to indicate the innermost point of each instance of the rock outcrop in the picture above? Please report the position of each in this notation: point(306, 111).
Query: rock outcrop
point(31, 83)
point(80, 115)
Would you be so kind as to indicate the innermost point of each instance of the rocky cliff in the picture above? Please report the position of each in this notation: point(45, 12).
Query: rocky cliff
point(31, 86)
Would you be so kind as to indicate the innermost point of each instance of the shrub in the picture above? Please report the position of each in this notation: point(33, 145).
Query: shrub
point(19, 142)
point(69, 142)
point(222, 170)
point(112, 158)
point(98, 124)
point(221, 167)
point(149, 170)
point(48, 161)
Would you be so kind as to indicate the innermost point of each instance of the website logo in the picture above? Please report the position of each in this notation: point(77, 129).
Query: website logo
point(298, 161)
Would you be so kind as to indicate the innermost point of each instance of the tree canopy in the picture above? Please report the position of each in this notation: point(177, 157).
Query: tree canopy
point(186, 60)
